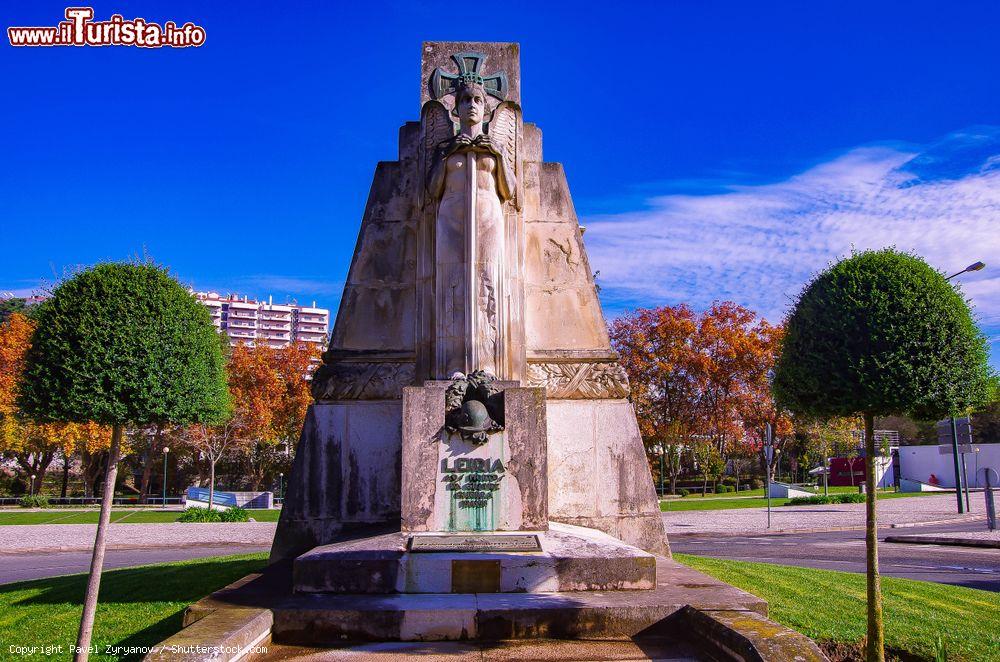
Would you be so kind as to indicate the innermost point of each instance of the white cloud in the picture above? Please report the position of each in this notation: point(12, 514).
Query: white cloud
point(758, 245)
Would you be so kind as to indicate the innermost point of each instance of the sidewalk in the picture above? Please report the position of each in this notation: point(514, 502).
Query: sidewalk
point(988, 539)
point(78, 537)
point(744, 521)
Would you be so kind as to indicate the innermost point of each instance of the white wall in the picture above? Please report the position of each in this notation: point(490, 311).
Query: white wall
point(919, 462)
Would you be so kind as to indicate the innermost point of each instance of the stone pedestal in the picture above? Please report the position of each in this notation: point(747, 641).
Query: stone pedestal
point(345, 476)
point(570, 559)
point(440, 469)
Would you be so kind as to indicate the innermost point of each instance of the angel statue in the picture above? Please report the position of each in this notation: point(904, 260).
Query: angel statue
point(470, 177)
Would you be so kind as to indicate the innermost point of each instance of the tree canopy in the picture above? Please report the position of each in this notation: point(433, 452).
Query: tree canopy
point(882, 332)
point(124, 343)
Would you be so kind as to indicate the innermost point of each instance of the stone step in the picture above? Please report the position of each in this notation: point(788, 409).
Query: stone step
point(572, 558)
point(325, 618)
point(653, 648)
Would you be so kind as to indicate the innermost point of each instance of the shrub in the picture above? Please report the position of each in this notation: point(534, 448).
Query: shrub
point(819, 499)
point(235, 514)
point(722, 489)
point(199, 515)
point(809, 500)
point(36, 501)
point(683, 492)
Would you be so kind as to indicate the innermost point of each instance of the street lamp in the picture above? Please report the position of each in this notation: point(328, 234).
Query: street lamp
point(166, 449)
point(975, 266)
point(281, 482)
point(31, 487)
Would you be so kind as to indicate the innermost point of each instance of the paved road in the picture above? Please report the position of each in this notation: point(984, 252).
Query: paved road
point(845, 550)
point(20, 567)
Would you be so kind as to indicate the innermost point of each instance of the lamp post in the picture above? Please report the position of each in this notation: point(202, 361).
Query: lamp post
point(975, 266)
point(661, 470)
point(166, 450)
point(31, 487)
point(281, 482)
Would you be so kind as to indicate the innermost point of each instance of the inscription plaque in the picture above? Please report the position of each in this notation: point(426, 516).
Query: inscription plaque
point(518, 542)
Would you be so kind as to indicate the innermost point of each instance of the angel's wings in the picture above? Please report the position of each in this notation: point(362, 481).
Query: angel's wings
point(504, 130)
point(436, 127)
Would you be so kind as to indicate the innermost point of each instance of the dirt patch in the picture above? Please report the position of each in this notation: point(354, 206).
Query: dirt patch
point(855, 652)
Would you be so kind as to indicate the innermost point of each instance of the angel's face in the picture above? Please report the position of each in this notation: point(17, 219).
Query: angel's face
point(471, 105)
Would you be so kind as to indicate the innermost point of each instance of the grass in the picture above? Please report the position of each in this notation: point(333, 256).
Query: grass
point(138, 606)
point(698, 502)
point(829, 606)
point(129, 516)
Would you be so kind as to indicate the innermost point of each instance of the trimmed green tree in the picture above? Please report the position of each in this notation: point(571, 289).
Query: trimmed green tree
point(122, 344)
point(881, 333)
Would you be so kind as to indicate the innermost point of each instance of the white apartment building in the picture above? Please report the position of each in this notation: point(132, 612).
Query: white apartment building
point(249, 321)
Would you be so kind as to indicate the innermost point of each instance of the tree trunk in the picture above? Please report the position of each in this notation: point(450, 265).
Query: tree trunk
point(97, 560)
point(147, 463)
point(211, 482)
point(35, 464)
point(876, 634)
point(65, 476)
point(673, 483)
point(147, 471)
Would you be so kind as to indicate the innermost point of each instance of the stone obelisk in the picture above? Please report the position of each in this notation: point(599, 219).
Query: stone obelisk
point(470, 256)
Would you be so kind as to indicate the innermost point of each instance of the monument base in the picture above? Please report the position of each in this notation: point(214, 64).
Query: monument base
point(571, 559)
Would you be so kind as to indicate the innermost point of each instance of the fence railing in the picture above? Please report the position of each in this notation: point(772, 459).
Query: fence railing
point(96, 501)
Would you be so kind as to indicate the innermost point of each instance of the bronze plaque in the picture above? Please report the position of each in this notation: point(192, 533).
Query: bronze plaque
point(468, 576)
point(518, 542)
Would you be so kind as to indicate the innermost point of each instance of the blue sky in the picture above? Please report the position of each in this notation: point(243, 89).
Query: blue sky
point(714, 149)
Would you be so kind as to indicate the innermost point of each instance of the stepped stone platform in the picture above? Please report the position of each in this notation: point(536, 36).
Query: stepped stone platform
point(318, 618)
point(687, 616)
point(571, 558)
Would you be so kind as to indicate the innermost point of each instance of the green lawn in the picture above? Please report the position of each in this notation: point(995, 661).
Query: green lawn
point(698, 502)
point(124, 516)
point(830, 606)
point(138, 606)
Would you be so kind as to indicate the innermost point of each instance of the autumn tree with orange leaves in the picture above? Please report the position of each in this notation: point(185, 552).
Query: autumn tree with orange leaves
point(655, 347)
point(700, 379)
point(34, 446)
point(270, 395)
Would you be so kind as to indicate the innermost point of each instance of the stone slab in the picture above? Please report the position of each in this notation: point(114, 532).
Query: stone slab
point(543, 650)
point(571, 559)
point(430, 453)
point(514, 542)
point(598, 473)
point(597, 615)
point(345, 476)
point(743, 635)
point(224, 635)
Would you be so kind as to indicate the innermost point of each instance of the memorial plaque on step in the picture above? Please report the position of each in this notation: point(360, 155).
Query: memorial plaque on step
point(473, 543)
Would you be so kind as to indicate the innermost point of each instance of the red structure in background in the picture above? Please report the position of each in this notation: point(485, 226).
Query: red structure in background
point(847, 471)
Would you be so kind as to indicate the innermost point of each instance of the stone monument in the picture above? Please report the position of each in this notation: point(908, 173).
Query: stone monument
point(471, 468)
point(469, 273)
